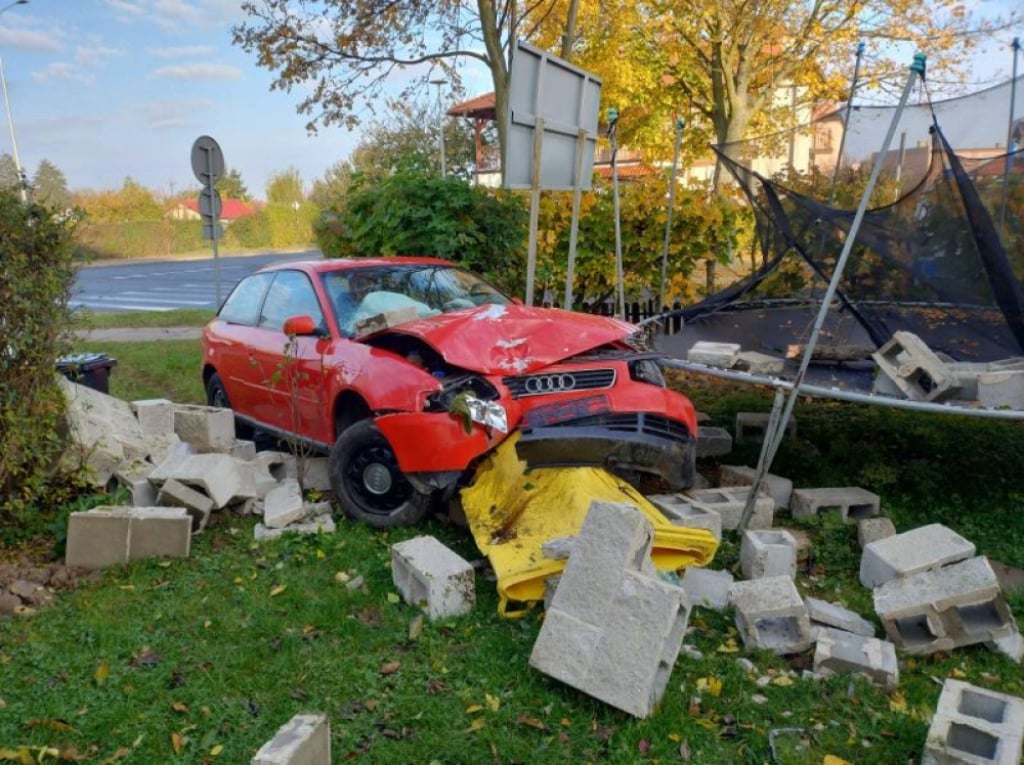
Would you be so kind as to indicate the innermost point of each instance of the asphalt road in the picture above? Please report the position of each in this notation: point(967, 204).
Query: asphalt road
point(165, 285)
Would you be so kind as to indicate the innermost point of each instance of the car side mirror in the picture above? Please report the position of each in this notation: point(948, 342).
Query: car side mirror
point(298, 326)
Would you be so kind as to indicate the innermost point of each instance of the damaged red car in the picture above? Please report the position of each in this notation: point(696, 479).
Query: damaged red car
point(408, 371)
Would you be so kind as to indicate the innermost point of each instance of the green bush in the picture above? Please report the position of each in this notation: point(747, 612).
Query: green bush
point(250, 232)
point(36, 273)
point(140, 238)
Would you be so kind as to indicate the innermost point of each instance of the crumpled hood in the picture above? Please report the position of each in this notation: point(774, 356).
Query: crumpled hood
point(513, 339)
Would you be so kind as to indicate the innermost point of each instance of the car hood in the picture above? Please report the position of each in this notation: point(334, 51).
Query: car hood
point(513, 339)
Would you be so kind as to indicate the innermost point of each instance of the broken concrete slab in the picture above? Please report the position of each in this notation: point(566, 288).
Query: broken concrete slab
point(713, 354)
point(680, 512)
point(872, 529)
point(155, 416)
point(280, 465)
point(835, 615)
point(433, 577)
point(729, 504)
point(613, 630)
point(771, 615)
point(171, 461)
point(317, 524)
point(243, 450)
point(1002, 389)
point(759, 363)
point(767, 552)
point(778, 488)
point(972, 724)
point(283, 505)
point(851, 502)
point(303, 740)
point(217, 475)
point(840, 652)
point(315, 474)
point(207, 428)
point(174, 493)
point(919, 549)
point(707, 587)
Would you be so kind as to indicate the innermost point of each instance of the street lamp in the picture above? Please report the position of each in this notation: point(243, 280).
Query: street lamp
point(440, 119)
point(22, 180)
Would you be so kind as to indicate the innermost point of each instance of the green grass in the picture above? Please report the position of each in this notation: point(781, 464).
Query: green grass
point(179, 317)
point(157, 369)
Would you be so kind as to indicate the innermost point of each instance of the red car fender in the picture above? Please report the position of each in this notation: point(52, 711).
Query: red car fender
point(415, 436)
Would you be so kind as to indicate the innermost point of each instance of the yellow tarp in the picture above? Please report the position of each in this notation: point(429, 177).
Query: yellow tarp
point(511, 513)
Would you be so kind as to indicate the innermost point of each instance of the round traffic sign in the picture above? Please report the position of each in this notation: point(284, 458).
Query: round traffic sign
point(209, 203)
point(207, 160)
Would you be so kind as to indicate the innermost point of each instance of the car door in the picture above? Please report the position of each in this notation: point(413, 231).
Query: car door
point(231, 344)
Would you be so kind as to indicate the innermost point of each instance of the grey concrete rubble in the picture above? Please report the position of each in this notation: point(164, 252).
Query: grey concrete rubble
point(109, 535)
point(243, 450)
point(767, 552)
point(135, 478)
point(678, 510)
point(840, 652)
point(972, 725)
point(303, 740)
point(614, 629)
point(851, 502)
point(322, 523)
point(911, 552)
point(770, 614)
point(216, 475)
point(173, 493)
point(872, 529)
point(915, 369)
point(433, 577)
point(1001, 389)
point(315, 476)
point(712, 441)
point(207, 428)
point(729, 504)
point(778, 488)
point(707, 587)
point(155, 416)
point(821, 612)
point(759, 363)
point(283, 505)
point(713, 354)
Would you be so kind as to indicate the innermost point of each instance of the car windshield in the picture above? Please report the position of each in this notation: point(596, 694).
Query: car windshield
point(359, 294)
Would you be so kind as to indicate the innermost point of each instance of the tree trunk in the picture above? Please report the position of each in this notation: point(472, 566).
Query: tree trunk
point(499, 66)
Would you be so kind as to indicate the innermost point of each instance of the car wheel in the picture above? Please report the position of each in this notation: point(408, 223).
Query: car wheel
point(217, 396)
point(368, 483)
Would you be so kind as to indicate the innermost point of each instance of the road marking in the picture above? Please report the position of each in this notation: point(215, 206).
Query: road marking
point(117, 306)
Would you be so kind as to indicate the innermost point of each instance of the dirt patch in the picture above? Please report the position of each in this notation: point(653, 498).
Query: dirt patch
point(30, 578)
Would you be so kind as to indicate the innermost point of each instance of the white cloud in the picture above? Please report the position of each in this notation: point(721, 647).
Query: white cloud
point(63, 71)
point(177, 13)
point(199, 72)
point(28, 39)
point(181, 51)
point(94, 55)
point(125, 10)
point(175, 113)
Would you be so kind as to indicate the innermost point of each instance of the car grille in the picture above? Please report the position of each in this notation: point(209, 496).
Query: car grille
point(559, 382)
point(632, 422)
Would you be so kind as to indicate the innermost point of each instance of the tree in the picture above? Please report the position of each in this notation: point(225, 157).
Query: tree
point(285, 188)
point(349, 48)
point(131, 203)
point(329, 191)
point(50, 187)
point(231, 186)
point(9, 177)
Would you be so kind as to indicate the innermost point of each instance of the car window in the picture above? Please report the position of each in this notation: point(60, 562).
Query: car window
point(243, 304)
point(291, 294)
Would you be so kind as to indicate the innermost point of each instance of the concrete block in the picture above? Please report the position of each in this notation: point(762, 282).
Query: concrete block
point(279, 465)
point(973, 725)
point(318, 524)
point(872, 529)
point(315, 475)
point(966, 374)
point(852, 502)
point(243, 450)
point(155, 415)
point(767, 552)
point(136, 480)
point(255, 479)
point(613, 630)
point(303, 740)
point(173, 459)
point(679, 512)
point(771, 615)
point(840, 652)
point(207, 428)
point(217, 475)
point(913, 551)
point(751, 426)
point(159, 532)
point(713, 442)
point(759, 363)
point(283, 505)
point(707, 587)
point(946, 608)
point(174, 493)
point(841, 618)
point(1002, 389)
point(98, 538)
point(778, 488)
point(432, 577)
point(729, 504)
point(915, 369)
point(711, 354)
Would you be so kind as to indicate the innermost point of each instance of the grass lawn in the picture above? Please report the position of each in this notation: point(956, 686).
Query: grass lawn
point(180, 317)
point(201, 660)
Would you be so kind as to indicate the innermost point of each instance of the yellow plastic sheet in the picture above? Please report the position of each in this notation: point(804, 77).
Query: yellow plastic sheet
point(511, 513)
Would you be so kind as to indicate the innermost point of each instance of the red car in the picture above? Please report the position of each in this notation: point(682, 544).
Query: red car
point(409, 370)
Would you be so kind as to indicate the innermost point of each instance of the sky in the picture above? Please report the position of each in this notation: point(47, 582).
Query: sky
point(106, 89)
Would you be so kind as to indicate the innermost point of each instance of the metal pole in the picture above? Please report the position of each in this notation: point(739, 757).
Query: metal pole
point(22, 180)
point(680, 124)
point(613, 121)
point(574, 224)
point(846, 121)
point(213, 228)
point(440, 122)
point(531, 251)
point(774, 437)
point(1009, 139)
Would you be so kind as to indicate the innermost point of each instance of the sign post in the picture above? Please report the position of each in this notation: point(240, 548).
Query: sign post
point(208, 167)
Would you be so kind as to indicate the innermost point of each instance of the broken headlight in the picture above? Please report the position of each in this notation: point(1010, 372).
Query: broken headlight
point(648, 371)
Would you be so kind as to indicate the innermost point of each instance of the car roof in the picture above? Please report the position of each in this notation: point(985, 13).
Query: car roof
point(344, 264)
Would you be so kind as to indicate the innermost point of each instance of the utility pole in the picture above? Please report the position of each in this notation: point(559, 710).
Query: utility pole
point(22, 178)
point(440, 120)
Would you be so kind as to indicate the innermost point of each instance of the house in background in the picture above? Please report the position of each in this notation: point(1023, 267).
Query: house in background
point(231, 210)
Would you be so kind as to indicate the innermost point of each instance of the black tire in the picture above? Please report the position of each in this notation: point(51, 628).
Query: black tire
point(216, 395)
point(368, 483)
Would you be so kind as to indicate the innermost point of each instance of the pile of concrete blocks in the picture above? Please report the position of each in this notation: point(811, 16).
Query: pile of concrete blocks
point(729, 504)
point(613, 629)
point(303, 740)
point(433, 577)
point(933, 594)
point(732, 356)
point(975, 725)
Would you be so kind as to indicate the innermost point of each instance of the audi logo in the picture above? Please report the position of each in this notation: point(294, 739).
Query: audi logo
point(550, 383)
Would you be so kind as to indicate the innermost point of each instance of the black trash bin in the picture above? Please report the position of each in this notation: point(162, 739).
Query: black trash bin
point(89, 369)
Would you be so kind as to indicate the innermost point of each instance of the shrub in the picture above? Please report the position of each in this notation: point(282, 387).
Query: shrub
point(250, 232)
point(36, 274)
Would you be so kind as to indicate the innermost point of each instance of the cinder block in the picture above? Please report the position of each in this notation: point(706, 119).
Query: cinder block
point(973, 725)
point(834, 615)
point(840, 652)
point(751, 426)
point(759, 363)
point(778, 488)
point(279, 465)
point(283, 505)
point(136, 480)
point(711, 354)
point(155, 415)
point(315, 475)
point(432, 577)
point(613, 629)
point(946, 608)
point(175, 457)
point(771, 615)
point(713, 442)
point(98, 538)
point(679, 512)
point(176, 494)
point(729, 504)
point(159, 532)
point(1002, 389)
point(767, 552)
point(913, 551)
point(707, 587)
point(217, 475)
point(320, 524)
point(207, 428)
point(872, 529)
point(303, 740)
point(915, 369)
point(243, 450)
point(852, 502)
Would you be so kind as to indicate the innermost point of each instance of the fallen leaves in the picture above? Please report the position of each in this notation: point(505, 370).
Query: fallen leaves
point(102, 672)
point(389, 667)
